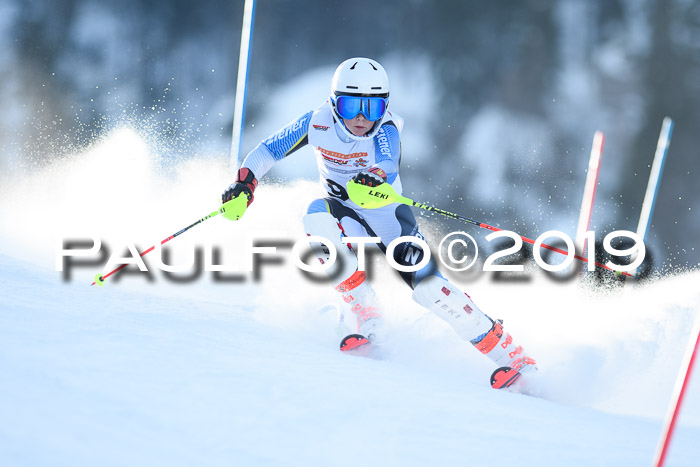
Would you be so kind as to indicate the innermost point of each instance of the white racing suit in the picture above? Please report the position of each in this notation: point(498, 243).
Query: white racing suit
point(335, 216)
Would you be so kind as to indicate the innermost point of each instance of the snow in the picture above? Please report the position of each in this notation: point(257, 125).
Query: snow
point(248, 372)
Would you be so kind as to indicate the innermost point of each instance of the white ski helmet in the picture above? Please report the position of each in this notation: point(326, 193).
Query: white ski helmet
point(362, 77)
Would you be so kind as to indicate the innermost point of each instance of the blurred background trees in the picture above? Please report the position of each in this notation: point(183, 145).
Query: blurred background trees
point(510, 92)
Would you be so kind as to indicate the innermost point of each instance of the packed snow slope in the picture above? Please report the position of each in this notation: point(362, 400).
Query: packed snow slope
point(245, 370)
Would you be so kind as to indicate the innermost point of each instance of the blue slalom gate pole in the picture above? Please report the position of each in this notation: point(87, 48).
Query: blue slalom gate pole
point(242, 80)
point(657, 168)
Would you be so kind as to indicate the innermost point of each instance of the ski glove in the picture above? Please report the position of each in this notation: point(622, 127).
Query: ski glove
point(373, 177)
point(245, 183)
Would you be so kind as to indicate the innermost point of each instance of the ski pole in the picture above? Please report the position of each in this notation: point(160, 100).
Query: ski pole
point(384, 194)
point(232, 210)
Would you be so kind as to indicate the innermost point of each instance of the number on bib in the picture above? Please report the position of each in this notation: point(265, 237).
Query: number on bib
point(336, 190)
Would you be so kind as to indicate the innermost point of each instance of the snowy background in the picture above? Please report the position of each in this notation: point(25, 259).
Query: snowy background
point(117, 123)
point(506, 96)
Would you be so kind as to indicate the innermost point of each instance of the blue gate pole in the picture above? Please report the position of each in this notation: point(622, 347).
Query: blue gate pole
point(657, 168)
point(242, 81)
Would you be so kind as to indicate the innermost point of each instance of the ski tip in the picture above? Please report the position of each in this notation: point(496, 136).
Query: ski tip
point(504, 377)
point(352, 342)
point(360, 346)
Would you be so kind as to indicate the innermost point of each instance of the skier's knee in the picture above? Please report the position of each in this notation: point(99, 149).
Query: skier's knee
point(317, 205)
point(431, 270)
point(410, 254)
point(323, 224)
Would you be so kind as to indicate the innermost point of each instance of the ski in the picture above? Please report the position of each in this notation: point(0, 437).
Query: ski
point(511, 380)
point(507, 378)
point(358, 345)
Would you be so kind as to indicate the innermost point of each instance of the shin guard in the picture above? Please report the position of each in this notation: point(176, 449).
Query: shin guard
point(350, 282)
point(453, 306)
point(471, 324)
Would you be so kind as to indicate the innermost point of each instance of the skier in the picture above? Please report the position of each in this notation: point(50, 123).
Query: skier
point(355, 137)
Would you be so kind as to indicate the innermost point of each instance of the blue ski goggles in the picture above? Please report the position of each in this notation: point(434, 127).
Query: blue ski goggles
point(373, 108)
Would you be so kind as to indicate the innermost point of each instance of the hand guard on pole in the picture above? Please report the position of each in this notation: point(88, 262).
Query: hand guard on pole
point(245, 183)
point(372, 177)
